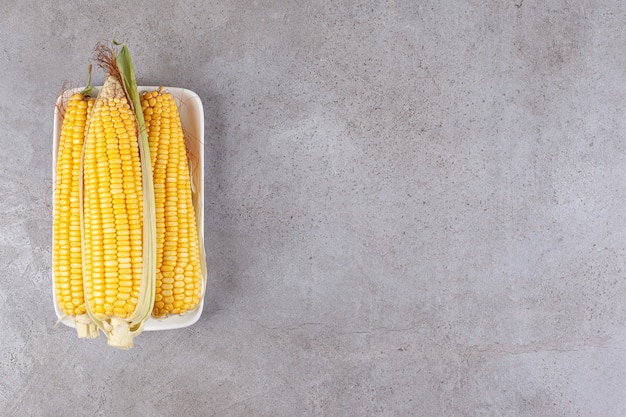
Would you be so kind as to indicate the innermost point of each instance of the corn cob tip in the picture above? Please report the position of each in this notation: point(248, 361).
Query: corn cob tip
point(120, 335)
point(85, 327)
point(107, 60)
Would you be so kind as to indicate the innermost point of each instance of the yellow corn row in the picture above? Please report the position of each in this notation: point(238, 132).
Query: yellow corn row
point(67, 248)
point(179, 280)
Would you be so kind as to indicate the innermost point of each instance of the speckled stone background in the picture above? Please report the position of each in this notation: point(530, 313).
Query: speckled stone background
point(413, 208)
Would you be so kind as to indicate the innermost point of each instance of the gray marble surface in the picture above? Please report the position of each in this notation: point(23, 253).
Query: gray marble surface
point(413, 208)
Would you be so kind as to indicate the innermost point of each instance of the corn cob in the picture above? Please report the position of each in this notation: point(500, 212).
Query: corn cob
point(179, 277)
point(67, 249)
point(118, 210)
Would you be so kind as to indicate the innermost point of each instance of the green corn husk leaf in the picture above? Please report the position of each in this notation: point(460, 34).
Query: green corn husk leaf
point(88, 87)
point(127, 72)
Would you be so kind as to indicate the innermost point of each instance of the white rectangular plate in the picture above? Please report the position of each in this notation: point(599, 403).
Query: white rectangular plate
point(192, 119)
